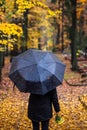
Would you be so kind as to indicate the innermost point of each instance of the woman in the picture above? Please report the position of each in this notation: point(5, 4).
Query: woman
point(40, 109)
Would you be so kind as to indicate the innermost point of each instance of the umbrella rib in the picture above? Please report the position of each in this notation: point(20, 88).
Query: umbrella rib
point(48, 70)
point(45, 69)
point(39, 75)
point(35, 57)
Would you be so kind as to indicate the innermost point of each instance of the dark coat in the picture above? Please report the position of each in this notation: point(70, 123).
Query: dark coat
point(40, 106)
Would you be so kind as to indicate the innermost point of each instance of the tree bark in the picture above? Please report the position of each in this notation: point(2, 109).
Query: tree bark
point(73, 36)
point(58, 27)
point(25, 31)
point(62, 33)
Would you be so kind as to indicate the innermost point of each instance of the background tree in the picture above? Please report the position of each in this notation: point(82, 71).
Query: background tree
point(81, 24)
point(73, 35)
point(73, 12)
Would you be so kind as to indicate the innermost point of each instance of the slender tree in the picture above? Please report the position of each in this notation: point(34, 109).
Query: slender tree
point(62, 33)
point(71, 14)
point(58, 27)
point(73, 35)
point(25, 28)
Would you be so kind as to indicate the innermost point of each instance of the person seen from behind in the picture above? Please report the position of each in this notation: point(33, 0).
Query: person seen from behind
point(40, 109)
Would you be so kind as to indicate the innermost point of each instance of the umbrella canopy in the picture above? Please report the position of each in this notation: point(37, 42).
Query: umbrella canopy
point(36, 71)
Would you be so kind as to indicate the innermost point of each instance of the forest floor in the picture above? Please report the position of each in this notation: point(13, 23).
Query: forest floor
point(72, 99)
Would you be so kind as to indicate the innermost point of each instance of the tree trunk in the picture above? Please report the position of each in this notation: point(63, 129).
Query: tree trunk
point(73, 37)
point(58, 28)
point(58, 34)
point(25, 31)
point(81, 22)
point(62, 33)
point(53, 1)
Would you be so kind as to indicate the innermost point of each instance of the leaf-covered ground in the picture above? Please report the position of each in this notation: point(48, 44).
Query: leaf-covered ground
point(72, 99)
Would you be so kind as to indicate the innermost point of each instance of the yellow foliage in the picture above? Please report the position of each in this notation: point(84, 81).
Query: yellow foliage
point(0, 2)
point(3, 42)
point(80, 7)
point(13, 114)
point(10, 29)
point(24, 4)
point(82, 1)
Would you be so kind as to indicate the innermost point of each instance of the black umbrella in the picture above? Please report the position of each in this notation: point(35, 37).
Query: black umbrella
point(36, 71)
